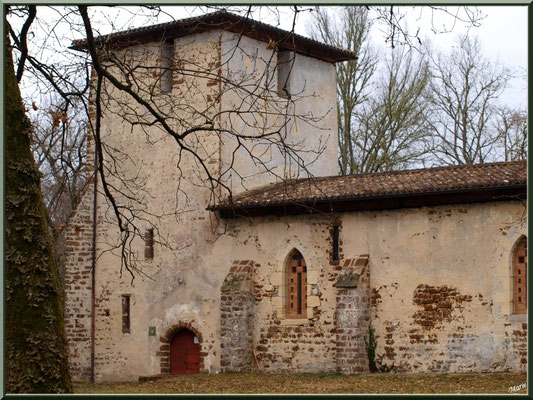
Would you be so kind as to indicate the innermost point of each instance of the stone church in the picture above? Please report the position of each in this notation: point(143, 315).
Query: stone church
point(300, 270)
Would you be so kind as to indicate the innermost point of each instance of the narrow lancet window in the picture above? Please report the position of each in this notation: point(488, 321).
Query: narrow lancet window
point(335, 250)
point(296, 286)
point(126, 322)
point(520, 277)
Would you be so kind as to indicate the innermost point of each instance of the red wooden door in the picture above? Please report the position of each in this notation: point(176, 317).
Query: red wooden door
point(184, 353)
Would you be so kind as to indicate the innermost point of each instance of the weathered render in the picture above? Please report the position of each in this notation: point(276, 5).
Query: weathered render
point(435, 301)
point(432, 281)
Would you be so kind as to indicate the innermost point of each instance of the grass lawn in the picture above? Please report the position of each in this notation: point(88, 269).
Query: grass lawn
point(316, 383)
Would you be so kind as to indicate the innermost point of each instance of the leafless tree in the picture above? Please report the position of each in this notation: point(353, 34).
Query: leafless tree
point(465, 90)
point(255, 126)
point(349, 29)
point(391, 132)
point(39, 362)
point(511, 128)
point(59, 147)
point(381, 124)
point(126, 86)
point(443, 19)
point(133, 86)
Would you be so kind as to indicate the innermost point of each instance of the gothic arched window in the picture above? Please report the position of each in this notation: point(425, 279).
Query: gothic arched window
point(520, 277)
point(296, 286)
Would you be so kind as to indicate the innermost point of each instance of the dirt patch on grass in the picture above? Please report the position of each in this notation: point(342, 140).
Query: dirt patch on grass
point(316, 383)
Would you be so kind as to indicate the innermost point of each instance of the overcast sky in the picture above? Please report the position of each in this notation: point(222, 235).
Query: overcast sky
point(503, 32)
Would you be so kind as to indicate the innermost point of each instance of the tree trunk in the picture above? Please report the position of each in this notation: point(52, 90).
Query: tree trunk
point(35, 342)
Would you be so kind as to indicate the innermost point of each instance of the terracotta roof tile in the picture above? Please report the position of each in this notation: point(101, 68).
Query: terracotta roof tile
point(355, 187)
point(227, 21)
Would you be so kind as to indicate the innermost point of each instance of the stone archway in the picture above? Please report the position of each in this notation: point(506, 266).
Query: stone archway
point(164, 349)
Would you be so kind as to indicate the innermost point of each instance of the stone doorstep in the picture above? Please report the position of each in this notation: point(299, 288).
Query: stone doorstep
point(151, 378)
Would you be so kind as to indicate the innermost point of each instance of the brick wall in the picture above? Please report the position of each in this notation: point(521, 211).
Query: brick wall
point(352, 315)
point(331, 338)
point(298, 345)
point(516, 335)
point(78, 243)
point(440, 337)
point(78, 264)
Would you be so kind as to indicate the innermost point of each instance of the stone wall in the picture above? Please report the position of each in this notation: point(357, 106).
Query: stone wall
point(437, 290)
point(439, 275)
point(182, 281)
point(352, 315)
point(516, 336)
point(441, 282)
point(285, 344)
point(331, 338)
point(237, 313)
point(441, 337)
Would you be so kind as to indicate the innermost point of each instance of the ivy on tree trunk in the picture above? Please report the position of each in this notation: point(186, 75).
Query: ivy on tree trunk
point(35, 343)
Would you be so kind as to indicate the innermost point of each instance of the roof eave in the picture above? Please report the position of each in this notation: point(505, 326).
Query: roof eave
point(228, 22)
point(379, 202)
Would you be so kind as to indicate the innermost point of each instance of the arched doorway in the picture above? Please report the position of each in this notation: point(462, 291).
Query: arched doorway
point(184, 353)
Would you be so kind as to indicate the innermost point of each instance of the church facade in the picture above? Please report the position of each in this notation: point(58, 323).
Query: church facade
point(413, 271)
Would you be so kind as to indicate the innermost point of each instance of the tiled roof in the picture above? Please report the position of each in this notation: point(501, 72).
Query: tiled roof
point(384, 184)
point(226, 21)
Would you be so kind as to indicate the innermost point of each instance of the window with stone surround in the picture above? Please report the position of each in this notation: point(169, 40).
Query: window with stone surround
point(520, 276)
point(296, 305)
